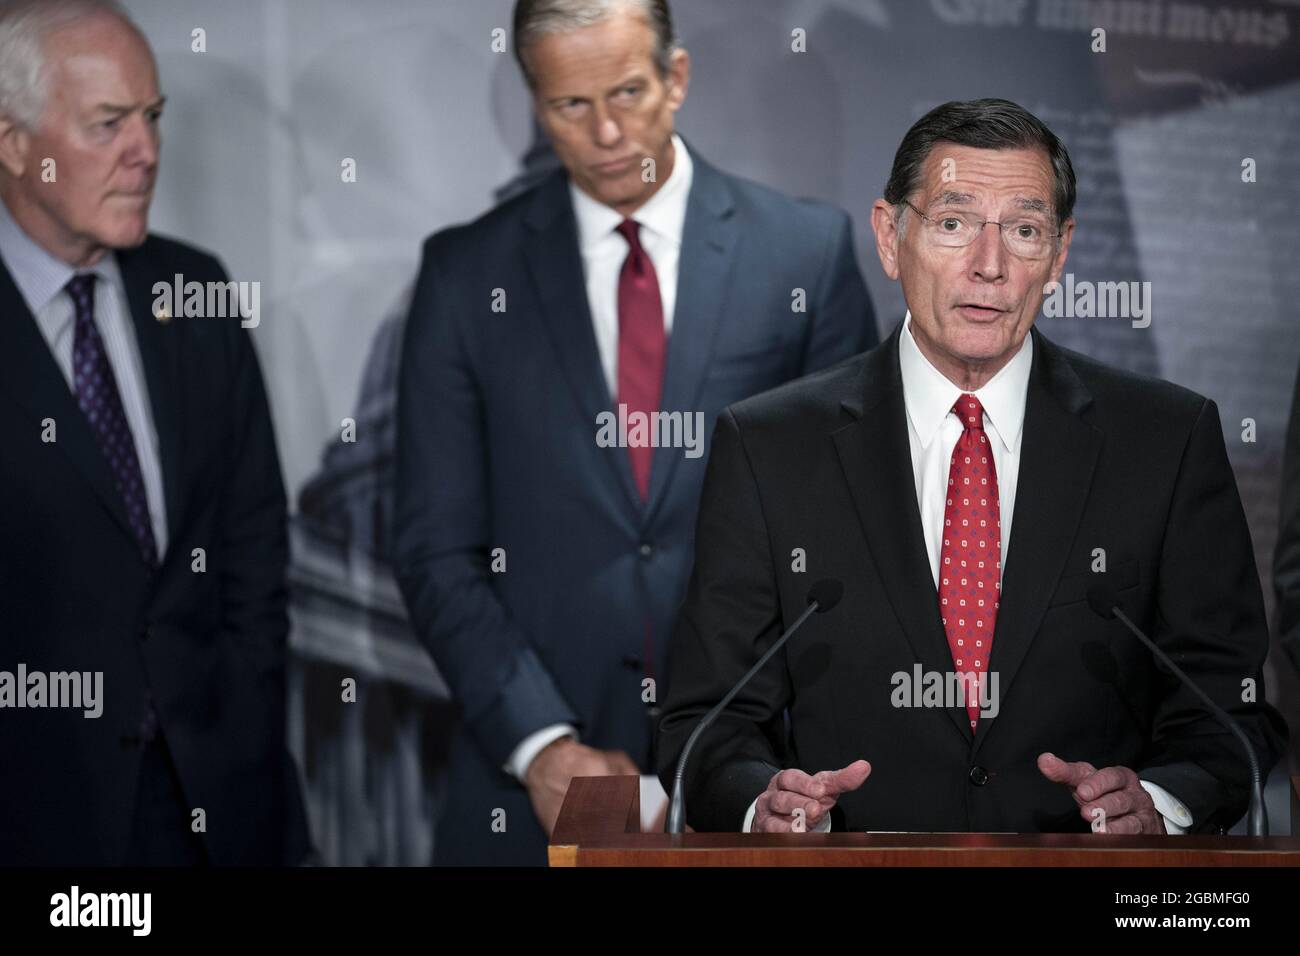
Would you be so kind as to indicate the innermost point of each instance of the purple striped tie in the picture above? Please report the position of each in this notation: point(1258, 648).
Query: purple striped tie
point(101, 403)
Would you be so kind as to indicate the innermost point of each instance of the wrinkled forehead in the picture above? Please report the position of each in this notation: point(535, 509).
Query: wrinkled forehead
point(593, 58)
point(92, 54)
point(969, 177)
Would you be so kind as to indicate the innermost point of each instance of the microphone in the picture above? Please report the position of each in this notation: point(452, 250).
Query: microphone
point(1104, 602)
point(822, 596)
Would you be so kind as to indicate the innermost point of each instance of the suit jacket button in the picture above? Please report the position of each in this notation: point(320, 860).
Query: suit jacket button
point(979, 776)
point(647, 549)
point(146, 633)
point(632, 662)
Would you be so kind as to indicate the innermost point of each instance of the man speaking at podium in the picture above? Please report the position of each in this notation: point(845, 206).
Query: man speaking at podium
point(970, 483)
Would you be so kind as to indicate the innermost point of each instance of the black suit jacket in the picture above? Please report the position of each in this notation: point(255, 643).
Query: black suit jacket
point(77, 595)
point(1286, 556)
point(1109, 460)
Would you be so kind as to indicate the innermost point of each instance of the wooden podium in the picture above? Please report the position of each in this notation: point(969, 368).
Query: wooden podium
point(600, 823)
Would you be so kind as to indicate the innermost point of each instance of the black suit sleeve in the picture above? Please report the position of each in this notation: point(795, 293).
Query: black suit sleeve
point(843, 322)
point(1286, 559)
point(730, 617)
point(253, 557)
point(254, 540)
point(443, 534)
point(1211, 622)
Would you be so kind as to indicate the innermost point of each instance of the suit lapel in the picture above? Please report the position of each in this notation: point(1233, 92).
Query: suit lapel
point(33, 378)
point(1058, 456)
point(159, 355)
point(708, 238)
point(876, 457)
point(555, 263)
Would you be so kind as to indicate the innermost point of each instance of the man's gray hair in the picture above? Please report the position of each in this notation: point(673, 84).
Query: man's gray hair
point(535, 19)
point(24, 25)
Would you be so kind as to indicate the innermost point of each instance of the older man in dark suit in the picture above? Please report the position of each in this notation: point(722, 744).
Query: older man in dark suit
point(564, 360)
point(969, 482)
point(143, 518)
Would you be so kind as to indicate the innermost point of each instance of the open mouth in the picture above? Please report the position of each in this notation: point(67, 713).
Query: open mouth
point(979, 313)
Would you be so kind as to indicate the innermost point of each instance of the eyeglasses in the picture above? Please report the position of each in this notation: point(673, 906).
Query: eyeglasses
point(1027, 237)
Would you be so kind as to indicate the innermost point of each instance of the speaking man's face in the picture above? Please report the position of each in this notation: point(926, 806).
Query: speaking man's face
point(89, 167)
point(606, 108)
point(973, 305)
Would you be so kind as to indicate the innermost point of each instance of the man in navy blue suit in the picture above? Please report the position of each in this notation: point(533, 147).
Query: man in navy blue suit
point(142, 513)
point(565, 358)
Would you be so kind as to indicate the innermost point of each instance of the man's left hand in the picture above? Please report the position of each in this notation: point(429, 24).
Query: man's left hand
point(1119, 794)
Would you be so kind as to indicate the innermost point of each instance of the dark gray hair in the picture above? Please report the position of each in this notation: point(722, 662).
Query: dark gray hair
point(983, 124)
point(24, 24)
point(535, 19)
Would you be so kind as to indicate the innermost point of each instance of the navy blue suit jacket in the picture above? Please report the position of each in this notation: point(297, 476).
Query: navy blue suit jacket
point(497, 424)
point(76, 594)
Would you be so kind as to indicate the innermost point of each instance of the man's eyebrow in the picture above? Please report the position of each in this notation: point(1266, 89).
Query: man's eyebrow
point(1032, 204)
point(124, 109)
point(630, 80)
point(952, 198)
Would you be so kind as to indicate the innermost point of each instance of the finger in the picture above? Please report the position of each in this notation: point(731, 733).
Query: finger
point(1102, 781)
point(797, 781)
point(618, 762)
point(785, 802)
point(1063, 771)
point(1115, 804)
point(849, 778)
point(1129, 824)
point(772, 823)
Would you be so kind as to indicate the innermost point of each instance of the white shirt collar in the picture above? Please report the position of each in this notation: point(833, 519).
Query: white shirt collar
point(929, 395)
point(663, 214)
point(39, 276)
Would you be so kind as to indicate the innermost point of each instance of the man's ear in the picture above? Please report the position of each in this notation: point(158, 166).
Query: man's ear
point(1063, 250)
point(679, 76)
point(885, 225)
point(15, 144)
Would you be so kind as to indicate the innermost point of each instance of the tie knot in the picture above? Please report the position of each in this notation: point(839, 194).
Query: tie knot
point(970, 411)
point(630, 230)
point(82, 289)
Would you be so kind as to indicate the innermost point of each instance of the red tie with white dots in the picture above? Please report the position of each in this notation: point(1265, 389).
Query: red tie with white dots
point(970, 563)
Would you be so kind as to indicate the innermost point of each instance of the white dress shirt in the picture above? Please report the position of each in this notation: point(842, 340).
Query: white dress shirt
point(604, 250)
point(932, 432)
point(40, 278)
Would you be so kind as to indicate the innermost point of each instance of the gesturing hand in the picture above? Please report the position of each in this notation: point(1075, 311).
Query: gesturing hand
point(793, 790)
point(1128, 808)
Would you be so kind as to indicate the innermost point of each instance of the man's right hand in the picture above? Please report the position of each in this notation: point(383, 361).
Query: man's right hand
point(792, 790)
point(548, 776)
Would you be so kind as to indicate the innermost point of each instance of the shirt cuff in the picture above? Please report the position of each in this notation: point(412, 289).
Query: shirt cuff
point(1177, 817)
point(823, 827)
point(528, 748)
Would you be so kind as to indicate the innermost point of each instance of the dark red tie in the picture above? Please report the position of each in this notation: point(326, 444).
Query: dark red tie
point(970, 562)
point(641, 343)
